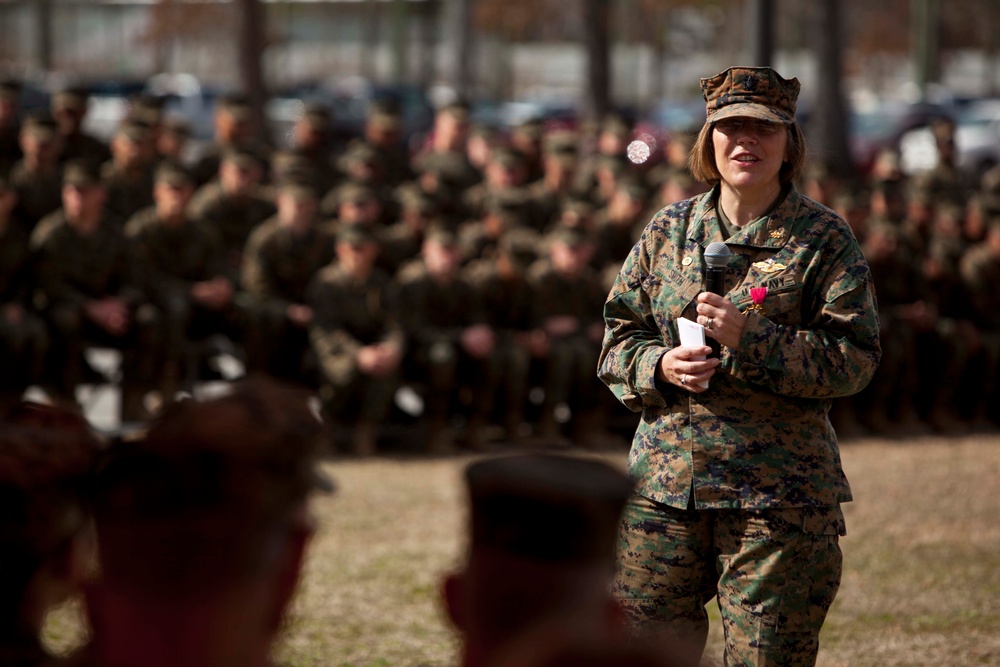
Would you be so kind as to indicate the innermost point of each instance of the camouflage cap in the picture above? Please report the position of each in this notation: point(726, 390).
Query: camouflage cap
point(134, 130)
point(561, 143)
point(74, 99)
point(174, 174)
point(234, 104)
point(570, 236)
point(360, 151)
point(40, 126)
point(383, 118)
point(546, 508)
point(176, 126)
point(355, 193)
point(508, 158)
point(529, 129)
point(82, 173)
point(756, 92)
point(415, 199)
point(357, 235)
point(10, 90)
point(148, 108)
point(317, 116)
point(245, 156)
point(442, 233)
point(300, 186)
point(520, 246)
point(615, 123)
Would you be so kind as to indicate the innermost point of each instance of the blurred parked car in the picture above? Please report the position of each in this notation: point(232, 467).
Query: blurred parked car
point(977, 141)
point(109, 104)
point(873, 128)
point(348, 101)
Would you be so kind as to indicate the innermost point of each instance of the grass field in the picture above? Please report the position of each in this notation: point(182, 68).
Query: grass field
point(921, 583)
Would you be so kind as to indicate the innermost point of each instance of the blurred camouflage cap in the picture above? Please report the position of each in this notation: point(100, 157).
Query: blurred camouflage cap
point(381, 117)
point(235, 104)
point(615, 123)
point(245, 156)
point(81, 173)
point(10, 90)
point(508, 158)
point(361, 151)
point(416, 199)
point(41, 126)
point(174, 173)
point(520, 245)
point(357, 235)
point(147, 108)
point(561, 143)
point(442, 233)
point(756, 92)
point(317, 115)
point(299, 185)
point(355, 193)
point(570, 236)
point(546, 508)
point(134, 130)
point(177, 126)
point(529, 129)
point(74, 98)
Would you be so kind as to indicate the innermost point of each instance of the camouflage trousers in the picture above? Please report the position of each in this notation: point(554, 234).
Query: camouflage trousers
point(774, 573)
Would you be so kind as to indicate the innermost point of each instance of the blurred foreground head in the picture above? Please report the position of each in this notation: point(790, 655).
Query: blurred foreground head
point(202, 526)
point(46, 456)
point(542, 542)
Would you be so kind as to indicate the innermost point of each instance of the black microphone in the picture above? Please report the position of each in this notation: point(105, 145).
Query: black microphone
point(716, 258)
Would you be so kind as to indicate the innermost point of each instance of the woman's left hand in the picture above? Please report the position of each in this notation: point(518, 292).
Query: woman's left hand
point(721, 319)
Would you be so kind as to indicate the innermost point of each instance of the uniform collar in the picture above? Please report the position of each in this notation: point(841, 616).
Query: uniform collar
point(769, 232)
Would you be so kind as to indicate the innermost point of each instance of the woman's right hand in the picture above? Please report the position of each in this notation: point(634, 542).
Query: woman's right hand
point(682, 366)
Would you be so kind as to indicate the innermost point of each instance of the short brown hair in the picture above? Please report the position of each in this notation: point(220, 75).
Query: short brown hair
point(701, 160)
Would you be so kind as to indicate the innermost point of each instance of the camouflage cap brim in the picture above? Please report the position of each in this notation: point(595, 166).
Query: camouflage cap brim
point(751, 110)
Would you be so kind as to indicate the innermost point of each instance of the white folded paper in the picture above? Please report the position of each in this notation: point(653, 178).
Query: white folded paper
point(692, 335)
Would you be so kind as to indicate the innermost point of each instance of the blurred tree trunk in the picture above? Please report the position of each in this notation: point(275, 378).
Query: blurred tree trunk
point(927, 42)
point(400, 39)
point(761, 32)
point(43, 17)
point(251, 52)
point(460, 38)
point(369, 49)
point(596, 20)
point(829, 118)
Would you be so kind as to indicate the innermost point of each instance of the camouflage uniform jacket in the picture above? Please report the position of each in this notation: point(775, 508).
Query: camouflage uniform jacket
point(172, 259)
point(760, 436)
point(278, 267)
point(231, 218)
point(74, 269)
point(348, 315)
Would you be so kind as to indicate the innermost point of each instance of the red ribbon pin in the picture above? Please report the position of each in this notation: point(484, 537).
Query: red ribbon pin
point(757, 295)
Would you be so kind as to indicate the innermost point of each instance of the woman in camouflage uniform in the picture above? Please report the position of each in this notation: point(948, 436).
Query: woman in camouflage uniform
point(739, 482)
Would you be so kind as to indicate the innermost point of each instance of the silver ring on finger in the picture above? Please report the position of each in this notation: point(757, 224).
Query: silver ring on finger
point(684, 379)
point(710, 324)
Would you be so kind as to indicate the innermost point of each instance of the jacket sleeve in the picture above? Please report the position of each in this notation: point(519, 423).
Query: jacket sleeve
point(632, 344)
point(834, 353)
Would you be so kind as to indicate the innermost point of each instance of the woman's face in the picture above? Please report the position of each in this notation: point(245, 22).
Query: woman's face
point(749, 153)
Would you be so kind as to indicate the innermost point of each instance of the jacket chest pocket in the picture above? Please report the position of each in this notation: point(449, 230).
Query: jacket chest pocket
point(783, 303)
point(670, 294)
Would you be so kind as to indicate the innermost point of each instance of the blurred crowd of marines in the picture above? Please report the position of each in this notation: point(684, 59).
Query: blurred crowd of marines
point(471, 270)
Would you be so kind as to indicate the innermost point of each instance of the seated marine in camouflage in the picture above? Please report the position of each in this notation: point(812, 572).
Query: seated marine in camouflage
point(356, 337)
point(281, 258)
point(88, 285)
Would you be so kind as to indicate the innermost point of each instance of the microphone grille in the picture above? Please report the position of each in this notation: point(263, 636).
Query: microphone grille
point(717, 255)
